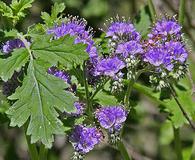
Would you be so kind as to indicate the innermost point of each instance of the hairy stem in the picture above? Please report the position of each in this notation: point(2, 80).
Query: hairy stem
point(181, 11)
point(177, 143)
point(173, 92)
point(43, 152)
point(99, 88)
point(89, 109)
point(32, 149)
point(128, 93)
point(123, 151)
point(152, 10)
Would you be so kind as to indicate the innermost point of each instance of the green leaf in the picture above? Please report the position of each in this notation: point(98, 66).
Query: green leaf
point(13, 63)
point(105, 99)
point(5, 10)
point(143, 21)
point(19, 6)
point(61, 50)
point(57, 8)
point(184, 97)
point(39, 99)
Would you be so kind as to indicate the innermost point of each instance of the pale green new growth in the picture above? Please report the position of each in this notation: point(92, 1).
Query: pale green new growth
point(57, 8)
point(16, 10)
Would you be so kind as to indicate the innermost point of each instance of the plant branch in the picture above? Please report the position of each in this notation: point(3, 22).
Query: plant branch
point(31, 147)
point(86, 90)
point(177, 143)
point(98, 89)
point(173, 92)
point(123, 150)
point(43, 152)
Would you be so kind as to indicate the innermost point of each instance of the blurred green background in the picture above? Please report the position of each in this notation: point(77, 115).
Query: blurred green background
point(148, 135)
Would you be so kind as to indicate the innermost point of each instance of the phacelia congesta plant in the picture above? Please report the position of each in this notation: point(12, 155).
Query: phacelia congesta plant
point(111, 118)
point(165, 51)
point(78, 28)
point(84, 139)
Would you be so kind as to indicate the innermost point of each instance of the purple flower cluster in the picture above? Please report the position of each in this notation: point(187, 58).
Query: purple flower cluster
point(165, 28)
point(10, 45)
point(85, 138)
point(125, 38)
point(109, 67)
point(129, 48)
point(60, 74)
point(76, 27)
point(117, 30)
point(111, 117)
point(165, 49)
point(80, 107)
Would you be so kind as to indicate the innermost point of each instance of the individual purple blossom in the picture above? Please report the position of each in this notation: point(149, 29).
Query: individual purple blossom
point(116, 29)
point(60, 74)
point(111, 117)
point(177, 50)
point(109, 66)
point(77, 28)
point(85, 138)
point(10, 45)
point(166, 27)
point(129, 48)
point(80, 107)
point(159, 57)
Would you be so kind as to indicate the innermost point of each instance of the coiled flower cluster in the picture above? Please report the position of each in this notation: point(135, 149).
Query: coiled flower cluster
point(166, 52)
point(84, 139)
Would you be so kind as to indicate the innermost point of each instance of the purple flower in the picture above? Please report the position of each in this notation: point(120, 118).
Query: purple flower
point(177, 50)
point(111, 117)
point(164, 48)
point(60, 74)
point(159, 57)
point(109, 67)
point(166, 27)
point(10, 45)
point(116, 29)
point(79, 109)
point(129, 48)
point(84, 138)
point(75, 27)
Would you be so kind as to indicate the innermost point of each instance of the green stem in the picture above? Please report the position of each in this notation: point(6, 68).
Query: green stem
point(192, 157)
point(181, 11)
point(31, 147)
point(123, 151)
point(43, 152)
point(89, 109)
point(152, 10)
point(128, 93)
point(177, 143)
point(98, 89)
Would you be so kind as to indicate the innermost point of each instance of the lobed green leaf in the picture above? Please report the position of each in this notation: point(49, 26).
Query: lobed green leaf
point(61, 50)
point(39, 99)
